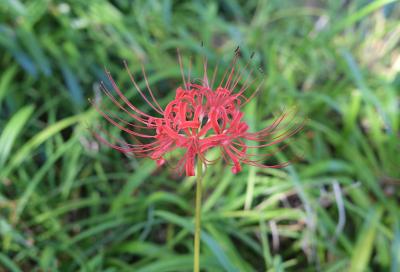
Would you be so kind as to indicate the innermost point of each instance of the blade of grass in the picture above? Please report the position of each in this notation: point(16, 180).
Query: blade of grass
point(8, 263)
point(365, 241)
point(12, 130)
point(6, 80)
point(205, 237)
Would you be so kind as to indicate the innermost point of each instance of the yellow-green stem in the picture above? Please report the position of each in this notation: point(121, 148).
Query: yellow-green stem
point(196, 266)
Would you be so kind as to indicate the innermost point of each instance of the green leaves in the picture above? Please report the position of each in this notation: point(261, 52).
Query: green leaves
point(215, 248)
point(68, 203)
point(365, 241)
point(8, 263)
point(12, 130)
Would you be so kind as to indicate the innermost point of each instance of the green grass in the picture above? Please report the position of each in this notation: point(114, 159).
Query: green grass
point(68, 204)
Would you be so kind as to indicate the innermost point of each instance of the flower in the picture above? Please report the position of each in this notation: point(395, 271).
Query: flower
point(198, 119)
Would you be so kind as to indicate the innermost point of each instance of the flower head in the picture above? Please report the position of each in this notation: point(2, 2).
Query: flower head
point(199, 118)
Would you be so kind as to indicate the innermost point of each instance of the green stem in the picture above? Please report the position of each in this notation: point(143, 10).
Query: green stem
point(196, 266)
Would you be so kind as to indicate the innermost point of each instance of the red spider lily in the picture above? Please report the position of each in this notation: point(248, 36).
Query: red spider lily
point(198, 119)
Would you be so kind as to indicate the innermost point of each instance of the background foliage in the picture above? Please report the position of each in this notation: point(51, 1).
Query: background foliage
point(67, 204)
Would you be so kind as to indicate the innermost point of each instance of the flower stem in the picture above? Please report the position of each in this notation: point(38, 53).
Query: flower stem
point(196, 266)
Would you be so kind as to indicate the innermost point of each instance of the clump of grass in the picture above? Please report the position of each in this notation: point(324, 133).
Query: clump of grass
point(67, 204)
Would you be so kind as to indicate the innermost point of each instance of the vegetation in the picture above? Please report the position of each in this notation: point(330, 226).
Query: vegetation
point(70, 204)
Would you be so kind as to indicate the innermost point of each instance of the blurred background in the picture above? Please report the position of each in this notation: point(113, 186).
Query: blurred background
point(68, 203)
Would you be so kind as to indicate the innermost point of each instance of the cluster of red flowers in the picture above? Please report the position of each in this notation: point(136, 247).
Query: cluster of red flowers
point(198, 119)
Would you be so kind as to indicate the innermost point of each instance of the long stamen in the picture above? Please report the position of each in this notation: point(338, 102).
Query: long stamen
point(149, 89)
point(139, 90)
point(214, 74)
point(123, 97)
point(108, 118)
point(181, 68)
point(230, 67)
point(108, 93)
point(205, 76)
point(189, 73)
